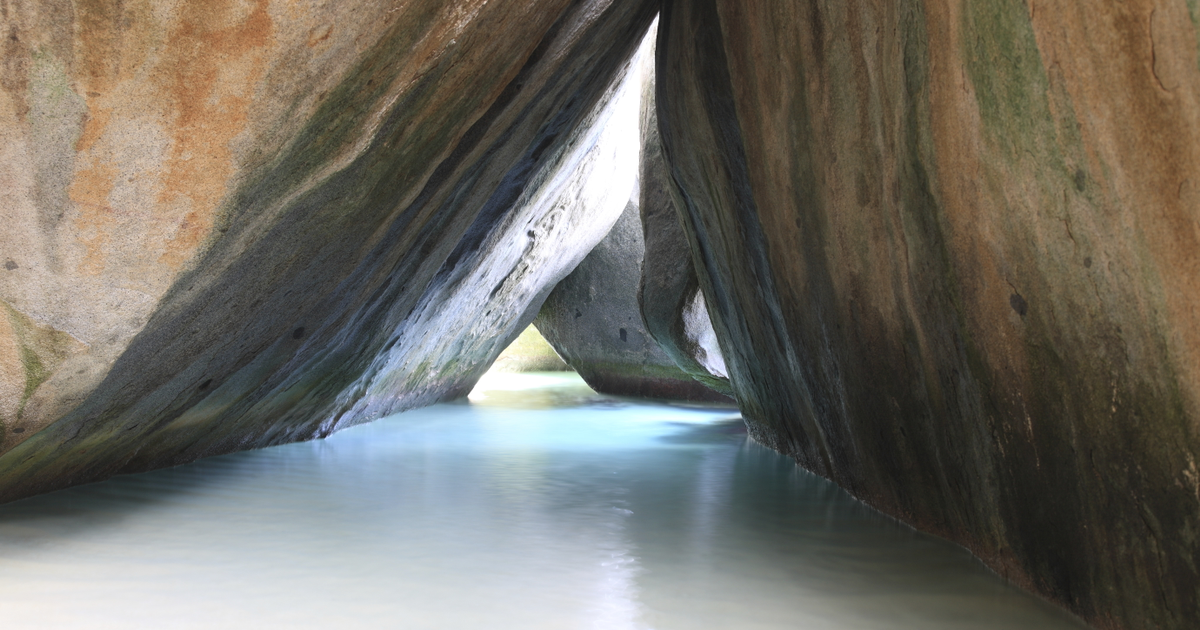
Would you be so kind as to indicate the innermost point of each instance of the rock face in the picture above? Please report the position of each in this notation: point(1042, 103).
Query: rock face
point(952, 251)
point(669, 296)
point(592, 320)
point(233, 225)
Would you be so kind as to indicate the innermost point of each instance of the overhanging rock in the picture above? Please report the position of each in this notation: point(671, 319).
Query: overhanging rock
point(223, 227)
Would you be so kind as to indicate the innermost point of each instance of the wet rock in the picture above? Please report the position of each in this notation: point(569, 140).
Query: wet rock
point(593, 321)
point(925, 238)
point(248, 225)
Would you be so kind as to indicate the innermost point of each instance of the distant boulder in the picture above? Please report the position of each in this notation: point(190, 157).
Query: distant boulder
point(593, 321)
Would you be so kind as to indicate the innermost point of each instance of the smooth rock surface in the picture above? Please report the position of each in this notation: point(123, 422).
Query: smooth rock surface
point(669, 296)
point(952, 252)
point(236, 224)
point(593, 321)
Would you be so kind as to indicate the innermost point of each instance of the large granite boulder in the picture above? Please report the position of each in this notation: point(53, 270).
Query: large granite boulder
point(952, 252)
point(593, 321)
point(238, 224)
point(669, 297)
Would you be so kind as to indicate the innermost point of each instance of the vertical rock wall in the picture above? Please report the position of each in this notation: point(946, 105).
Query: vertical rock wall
point(223, 220)
point(952, 250)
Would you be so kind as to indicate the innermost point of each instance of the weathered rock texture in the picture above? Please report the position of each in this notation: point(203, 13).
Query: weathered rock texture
point(229, 225)
point(952, 250)
point(592, 320)
point(669, 297)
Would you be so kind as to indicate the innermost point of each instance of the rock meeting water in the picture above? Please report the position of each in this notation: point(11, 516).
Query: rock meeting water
point(535, 504)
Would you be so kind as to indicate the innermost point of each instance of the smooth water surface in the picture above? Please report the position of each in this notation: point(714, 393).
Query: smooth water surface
point(542, 506)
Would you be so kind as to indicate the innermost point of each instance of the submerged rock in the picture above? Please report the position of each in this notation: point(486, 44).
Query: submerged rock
point(951, 252)
point(238, 226)
point(592, 320)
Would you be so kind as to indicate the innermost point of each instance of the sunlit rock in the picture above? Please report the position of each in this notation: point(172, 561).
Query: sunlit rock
point(223, 224)
point(952, 252)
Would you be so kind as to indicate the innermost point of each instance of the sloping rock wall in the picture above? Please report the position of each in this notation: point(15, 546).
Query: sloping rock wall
point(952, 250)
point(593, 321)
point(225, 221)
point(669, 297)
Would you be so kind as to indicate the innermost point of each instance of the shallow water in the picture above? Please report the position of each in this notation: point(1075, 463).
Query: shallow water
point(545, 506)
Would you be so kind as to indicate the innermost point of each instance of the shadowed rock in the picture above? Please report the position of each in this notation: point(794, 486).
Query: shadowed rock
point(592, 320)
point(669, 297)
point(951, 253)
point(238, 227)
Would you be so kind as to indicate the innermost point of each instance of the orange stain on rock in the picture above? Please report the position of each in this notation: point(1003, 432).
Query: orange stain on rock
point(318, 36)
point(204, 69)
point(98, 47)
point(214, 62)
point(90, 191)
point(93, 128)
point(1146, 76)
point(963, 160)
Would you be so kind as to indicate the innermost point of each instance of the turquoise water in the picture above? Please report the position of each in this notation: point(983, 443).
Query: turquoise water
point(536, 504)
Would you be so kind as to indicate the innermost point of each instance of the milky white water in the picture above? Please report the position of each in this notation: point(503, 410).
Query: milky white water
point(545, 506)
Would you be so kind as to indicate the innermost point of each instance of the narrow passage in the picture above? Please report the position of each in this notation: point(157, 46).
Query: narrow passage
point(537, 503)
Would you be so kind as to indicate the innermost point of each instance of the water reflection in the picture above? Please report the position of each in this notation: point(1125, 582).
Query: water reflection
point(549, 508)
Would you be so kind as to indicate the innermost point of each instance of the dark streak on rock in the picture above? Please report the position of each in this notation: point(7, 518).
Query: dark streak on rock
point(1018, 304)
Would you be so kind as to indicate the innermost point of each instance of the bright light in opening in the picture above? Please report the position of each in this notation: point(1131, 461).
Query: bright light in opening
point(529, 362)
